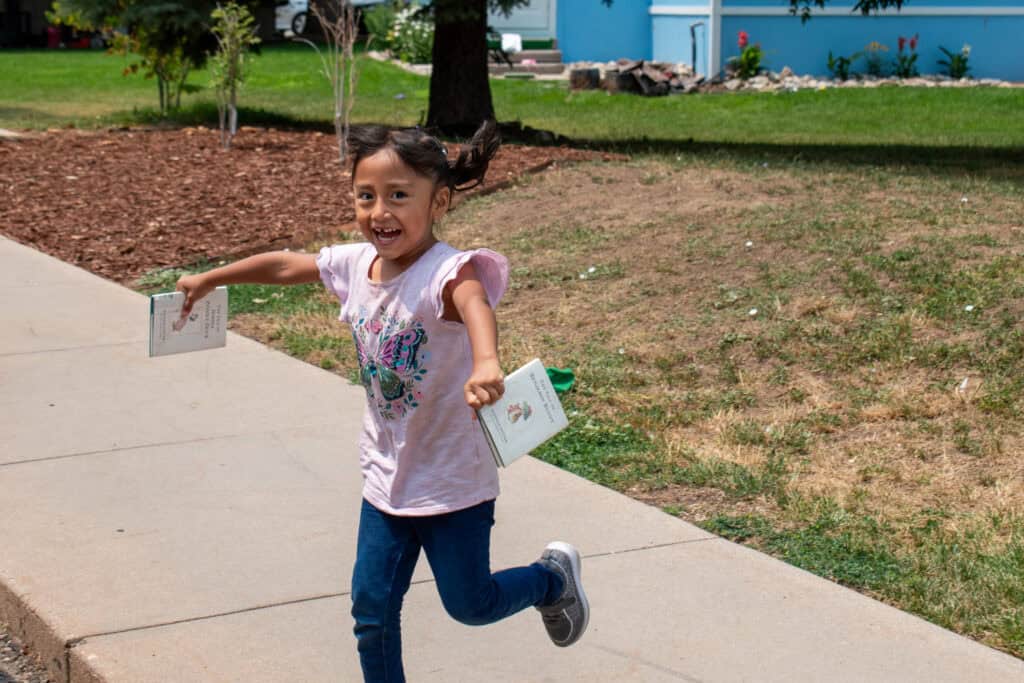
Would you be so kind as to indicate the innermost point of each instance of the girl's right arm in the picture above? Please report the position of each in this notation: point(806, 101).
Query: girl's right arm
point(272, 268)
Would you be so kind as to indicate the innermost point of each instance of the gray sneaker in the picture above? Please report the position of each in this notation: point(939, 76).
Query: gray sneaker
point(567, 618)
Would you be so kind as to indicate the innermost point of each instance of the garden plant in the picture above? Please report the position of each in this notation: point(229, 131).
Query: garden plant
point(339, 65)
point(955, 63)
point(905, 65)
point(840, 66)
point(235, 32)
point(749, 62)
point(874, 59)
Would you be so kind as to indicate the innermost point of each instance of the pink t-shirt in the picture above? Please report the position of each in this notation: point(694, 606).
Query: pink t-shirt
point(421, 452)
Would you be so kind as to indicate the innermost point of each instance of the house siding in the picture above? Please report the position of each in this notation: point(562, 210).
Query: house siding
point(660, 29)
point(672, 41)
point(590, 30)
point(995, 39)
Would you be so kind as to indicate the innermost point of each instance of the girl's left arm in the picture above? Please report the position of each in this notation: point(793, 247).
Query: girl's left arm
point(465, 300)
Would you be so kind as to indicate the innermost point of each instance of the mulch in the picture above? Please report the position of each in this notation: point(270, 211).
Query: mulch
point(123, 202)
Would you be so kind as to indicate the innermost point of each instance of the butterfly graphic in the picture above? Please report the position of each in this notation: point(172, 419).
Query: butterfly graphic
point(394, 360)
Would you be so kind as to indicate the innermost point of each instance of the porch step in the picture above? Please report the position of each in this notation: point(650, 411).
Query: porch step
point(540, 69)
point(539, 56)
point(540, 62)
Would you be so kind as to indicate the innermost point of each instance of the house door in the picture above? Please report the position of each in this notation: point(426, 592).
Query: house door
point(535, 20)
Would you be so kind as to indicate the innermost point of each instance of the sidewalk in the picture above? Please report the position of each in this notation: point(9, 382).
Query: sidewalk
point(192, 518)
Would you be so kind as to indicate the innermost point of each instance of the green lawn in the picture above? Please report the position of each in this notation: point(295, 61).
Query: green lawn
point(49, 88)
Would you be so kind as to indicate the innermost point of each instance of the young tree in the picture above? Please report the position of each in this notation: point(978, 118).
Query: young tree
point(460, 94)
point(339, 65)
point(235, 33)
point(171, 37)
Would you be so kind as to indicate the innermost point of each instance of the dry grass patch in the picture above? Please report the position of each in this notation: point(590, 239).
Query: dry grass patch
point(691, 300)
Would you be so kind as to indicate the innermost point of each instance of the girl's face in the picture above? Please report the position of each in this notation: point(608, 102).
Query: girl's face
point(396, 207)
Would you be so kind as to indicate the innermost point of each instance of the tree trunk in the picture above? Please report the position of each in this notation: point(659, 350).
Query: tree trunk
point(460, 94)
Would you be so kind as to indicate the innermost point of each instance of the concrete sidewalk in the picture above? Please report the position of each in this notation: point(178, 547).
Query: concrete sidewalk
point(193, 518)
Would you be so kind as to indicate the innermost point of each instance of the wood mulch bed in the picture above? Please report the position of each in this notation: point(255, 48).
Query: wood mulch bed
point(124, 202)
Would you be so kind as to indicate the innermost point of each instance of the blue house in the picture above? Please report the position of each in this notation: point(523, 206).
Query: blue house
point(704, 34)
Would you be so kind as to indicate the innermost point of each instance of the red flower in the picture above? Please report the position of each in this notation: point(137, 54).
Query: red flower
point(744, 39)
point(903, 43)
point(913, 42)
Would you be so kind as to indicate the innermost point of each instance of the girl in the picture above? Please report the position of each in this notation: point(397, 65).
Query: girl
point(422, 318)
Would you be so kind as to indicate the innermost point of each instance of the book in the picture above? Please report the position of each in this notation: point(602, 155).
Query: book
point(528, 414)
point(206, 327)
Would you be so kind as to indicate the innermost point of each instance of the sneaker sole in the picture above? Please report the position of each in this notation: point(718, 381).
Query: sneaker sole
point(574, 565)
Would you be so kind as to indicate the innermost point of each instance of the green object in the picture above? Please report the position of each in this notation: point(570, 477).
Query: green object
point(520, 75)
point(561, 378)
point(528, 44)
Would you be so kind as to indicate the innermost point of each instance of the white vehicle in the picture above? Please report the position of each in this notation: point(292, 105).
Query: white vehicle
point(291, 15)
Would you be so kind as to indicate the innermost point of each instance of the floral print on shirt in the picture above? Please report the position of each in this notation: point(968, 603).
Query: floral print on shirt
point(392, 361)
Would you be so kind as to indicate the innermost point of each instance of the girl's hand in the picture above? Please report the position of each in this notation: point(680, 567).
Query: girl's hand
point(195, 288)
point(485, 385)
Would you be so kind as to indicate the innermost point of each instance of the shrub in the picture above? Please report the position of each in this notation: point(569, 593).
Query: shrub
point(873, 58)
point(411, 37)
point(839, 67)
point(748, 63)
point(905, 65)
point(956, 62)
point(379, 20)
point(233, 26)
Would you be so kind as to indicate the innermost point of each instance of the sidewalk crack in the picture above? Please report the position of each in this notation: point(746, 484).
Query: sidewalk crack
point(160, 444)
point(652, 547)
point(64, 349)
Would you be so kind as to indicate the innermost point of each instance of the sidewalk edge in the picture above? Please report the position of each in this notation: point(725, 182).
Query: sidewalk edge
point(35, 633)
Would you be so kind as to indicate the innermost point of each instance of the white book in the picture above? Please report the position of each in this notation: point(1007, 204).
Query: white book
point(528, 414)
point(206, 327)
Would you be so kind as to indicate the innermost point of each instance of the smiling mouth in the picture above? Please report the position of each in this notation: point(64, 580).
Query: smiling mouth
point(386, 235)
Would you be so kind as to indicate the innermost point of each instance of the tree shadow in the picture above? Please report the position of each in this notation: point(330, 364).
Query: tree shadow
point(9, 113)
point(1002, 163)
point(995, 163)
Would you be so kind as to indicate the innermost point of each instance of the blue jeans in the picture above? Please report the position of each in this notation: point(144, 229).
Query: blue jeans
point(457, 545)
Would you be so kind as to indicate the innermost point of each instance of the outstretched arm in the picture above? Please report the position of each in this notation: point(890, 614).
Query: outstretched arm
point(272, 268)
point(466, 301)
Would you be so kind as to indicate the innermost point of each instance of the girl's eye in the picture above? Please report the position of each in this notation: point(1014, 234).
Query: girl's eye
point(364, 196)
point(399, 194)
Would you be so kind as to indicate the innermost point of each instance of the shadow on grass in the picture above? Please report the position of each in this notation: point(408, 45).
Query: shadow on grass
point(23, 114)
point(205, 114)
point(1001, 162)
point(996, 163)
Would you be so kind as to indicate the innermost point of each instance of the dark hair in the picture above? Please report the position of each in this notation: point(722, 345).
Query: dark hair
point(426, 155)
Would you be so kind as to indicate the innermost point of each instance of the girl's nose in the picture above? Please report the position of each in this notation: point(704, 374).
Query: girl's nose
point(380, 211)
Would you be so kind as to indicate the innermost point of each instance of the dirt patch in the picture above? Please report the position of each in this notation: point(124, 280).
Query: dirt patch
point(121, 203)
point(707, 304)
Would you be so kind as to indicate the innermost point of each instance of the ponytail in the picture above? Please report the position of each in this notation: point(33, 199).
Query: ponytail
point(426, 155)
point(474, 157)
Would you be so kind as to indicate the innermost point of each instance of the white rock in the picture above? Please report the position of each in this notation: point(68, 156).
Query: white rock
point(733, 84)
